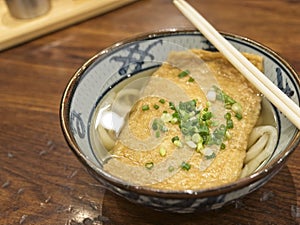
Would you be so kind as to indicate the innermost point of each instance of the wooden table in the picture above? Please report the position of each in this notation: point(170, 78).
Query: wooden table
point(42, 182)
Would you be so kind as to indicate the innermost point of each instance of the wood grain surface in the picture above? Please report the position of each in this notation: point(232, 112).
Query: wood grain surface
point(42, 182)
point(61, 14)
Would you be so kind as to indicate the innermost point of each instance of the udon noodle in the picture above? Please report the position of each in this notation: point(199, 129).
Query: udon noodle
point(195, 122)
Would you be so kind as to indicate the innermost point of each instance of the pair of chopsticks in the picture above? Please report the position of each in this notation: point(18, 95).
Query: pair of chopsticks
point(241, 63)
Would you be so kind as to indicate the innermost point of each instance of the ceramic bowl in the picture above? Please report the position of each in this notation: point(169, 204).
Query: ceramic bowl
point(145, 52)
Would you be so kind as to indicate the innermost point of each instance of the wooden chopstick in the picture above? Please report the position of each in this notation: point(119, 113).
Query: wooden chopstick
point(289, 108)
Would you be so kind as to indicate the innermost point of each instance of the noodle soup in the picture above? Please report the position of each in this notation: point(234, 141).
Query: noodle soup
point(193, 123)
point(86, 98)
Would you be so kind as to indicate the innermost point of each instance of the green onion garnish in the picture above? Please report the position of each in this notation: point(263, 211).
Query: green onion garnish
point(191, 79)
point(238, 116)
point(227, 116)
point(176, 115)
point(149, 165)
point(199, 146)
point(154, 125)
point(145, 107)
point(162, 152)
point(185, 166)
point(223, 146)
point(158, 125)
point(156, 106)
point(171, 168)
point(178, 143)
point(237, 108)
point(228, 135)
point(176, 138)
point(183, 74)
point(229, 124)
point(162, 101)
point(157, 134)
point(196, 138)
point(188, 106)
point(199, 127)
point(172, 106)
point(207, 115)
point(229, 100)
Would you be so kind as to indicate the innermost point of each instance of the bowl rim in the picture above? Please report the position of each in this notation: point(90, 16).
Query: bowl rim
point(271, 169)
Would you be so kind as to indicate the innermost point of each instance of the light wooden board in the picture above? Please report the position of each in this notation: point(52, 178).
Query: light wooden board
point(62, 13)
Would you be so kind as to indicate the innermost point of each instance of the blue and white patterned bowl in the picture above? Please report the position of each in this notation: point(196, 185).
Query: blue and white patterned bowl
point(145, 52)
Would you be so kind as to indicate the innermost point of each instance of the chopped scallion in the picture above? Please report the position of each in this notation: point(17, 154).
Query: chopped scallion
point(185, 166)
point(239, 116)
point(149, 165)
point(174, 120)
point(198, 126)
point(172, 106)
point(229, 124)
point(183, 73)
point(223, 146)
point(162, 101)
point(166, 117)
point(191, 79)
point(227, 116)
point(207, 115)
point(237, 108)
point(203, 130)
point(154, 125)
point(162, 152)
point(176, 138)
point(178, 143)
point(228, 135)
point(199, 147)
point(157, 134)
point(176, 115)
point(145, 107)
point(171, 168)
point(196, 138)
